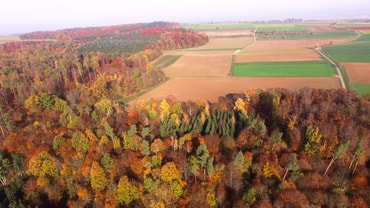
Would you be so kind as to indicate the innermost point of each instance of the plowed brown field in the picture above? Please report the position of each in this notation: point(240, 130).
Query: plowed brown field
point(228, 33)
point(202, 64)
point(358, 72)
point(276, 56)
point(279, 45)
point(225, 43)
point(211, 88)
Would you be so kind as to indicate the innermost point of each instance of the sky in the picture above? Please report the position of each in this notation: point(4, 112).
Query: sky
point(20, 16)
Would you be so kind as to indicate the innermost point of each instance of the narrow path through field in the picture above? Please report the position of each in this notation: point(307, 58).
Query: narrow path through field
point(339, 73)
point(254, 40)
point(359, 34)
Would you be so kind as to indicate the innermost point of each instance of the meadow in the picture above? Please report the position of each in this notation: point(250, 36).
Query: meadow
point(284, 69)
point(361, 88)
point(349, 52)
point(281, 27)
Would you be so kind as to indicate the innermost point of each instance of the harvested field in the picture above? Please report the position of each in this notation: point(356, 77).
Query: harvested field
point(226, 43)
point(278, 56)
point(210, 88)
point(365, 31)
point(279, 45)
point(4, 39)
point(201, 64)
point(358, 72)
point(280, 27)
point(323, 29)
point(224, 33)
point(220, 26)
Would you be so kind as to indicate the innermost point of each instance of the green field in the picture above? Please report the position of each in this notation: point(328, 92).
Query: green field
point(223, 26)
point(354, 24)
point(349, 52)
point(166, 61)
point(364, 37)
point(360, 88)
point(280, 27)
point(284, 69)
point(300, 35)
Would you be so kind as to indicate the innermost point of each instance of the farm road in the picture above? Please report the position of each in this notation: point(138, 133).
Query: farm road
point(339, 73)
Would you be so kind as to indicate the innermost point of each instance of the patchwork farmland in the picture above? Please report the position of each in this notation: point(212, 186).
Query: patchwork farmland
point(236, 59)
point(354, 59)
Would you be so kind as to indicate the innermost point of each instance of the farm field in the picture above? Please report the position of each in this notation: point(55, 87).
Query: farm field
point(228, 33)
point(4, 39)
point(354, 56)
point(278, 56)
point(166, 61)
point(203, 64)
point(349, 52)
point(284, 69)
point(361, 88)
point(280, 27)
point(358, 72)
point(204, 72)
point(220, 26)
point(232, 43)
point(283, 45)
point(211, 88)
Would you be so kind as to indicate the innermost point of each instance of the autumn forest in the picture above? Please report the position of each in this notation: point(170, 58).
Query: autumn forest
point(68, 138)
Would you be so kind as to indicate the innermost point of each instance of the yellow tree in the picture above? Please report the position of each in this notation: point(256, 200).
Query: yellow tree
point(170, 173)
point(313, 136)
point(97, 177)
point(126, 191)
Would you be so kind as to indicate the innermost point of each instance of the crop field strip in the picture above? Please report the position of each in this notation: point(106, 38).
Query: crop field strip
point(284, 69)
point(166, 61)
point(221, 26)
point(354, 56)
point(361, 88)
point(281, 27)
point(216, 44)
point(4, 39)
point(278, 56)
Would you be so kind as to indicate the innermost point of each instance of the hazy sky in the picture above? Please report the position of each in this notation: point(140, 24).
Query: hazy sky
point(17, 16)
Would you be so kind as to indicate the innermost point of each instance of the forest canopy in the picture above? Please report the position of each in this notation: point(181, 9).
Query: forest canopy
point(68, 141)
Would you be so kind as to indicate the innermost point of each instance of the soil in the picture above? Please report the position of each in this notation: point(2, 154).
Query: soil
point(211, 88)
point(358, 72)
point(276, 56)
point(203, 64)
